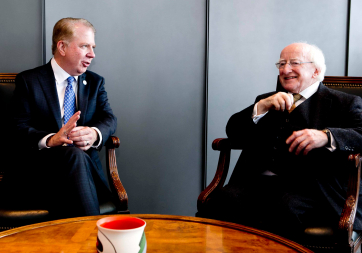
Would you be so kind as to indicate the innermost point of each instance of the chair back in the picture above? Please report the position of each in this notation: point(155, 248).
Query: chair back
point(7, 86)
point(348, 84)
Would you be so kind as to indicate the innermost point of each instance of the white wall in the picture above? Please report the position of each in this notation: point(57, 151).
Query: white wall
point(355, 40)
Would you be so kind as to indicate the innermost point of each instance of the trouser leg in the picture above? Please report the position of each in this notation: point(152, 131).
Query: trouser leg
point(275, 204)
point(305, 206)
point(67, 173)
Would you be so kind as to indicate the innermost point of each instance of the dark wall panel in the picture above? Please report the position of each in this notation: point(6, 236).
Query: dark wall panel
point(20, 35)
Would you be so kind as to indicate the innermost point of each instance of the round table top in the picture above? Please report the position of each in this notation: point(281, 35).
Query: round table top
point(164, 233)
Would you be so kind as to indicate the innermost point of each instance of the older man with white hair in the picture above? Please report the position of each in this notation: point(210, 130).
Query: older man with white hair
point(289, 174)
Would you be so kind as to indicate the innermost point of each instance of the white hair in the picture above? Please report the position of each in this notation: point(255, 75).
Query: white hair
point(317, 57)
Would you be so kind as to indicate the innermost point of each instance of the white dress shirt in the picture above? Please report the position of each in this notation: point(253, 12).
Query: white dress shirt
point(61, 83)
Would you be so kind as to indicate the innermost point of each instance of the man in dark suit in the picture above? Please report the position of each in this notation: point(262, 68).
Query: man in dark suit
point(61, 118)
point(290, 173)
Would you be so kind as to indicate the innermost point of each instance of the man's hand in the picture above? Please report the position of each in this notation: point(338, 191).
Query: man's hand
point(61, 137)
point(83, 137)
point(306, 140)
point(278, 102)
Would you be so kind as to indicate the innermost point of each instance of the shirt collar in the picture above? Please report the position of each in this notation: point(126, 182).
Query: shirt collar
point(60, 74)
point(309, 91)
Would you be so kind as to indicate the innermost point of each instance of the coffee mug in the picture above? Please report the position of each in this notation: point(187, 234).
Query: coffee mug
point(121, 234)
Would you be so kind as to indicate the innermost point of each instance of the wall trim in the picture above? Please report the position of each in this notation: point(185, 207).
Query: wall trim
point(204, 166)
point(347, 37)
point(43, 32)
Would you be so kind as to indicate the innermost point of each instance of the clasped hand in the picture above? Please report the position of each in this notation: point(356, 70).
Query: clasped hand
point(301, 142)
point(82, 137)
point(279, 102)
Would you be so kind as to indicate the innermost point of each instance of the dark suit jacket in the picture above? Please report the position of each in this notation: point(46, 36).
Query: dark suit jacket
point(264, 145)
point(36, 109)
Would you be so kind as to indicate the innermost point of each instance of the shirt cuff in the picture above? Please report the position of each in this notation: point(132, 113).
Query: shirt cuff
point(96, 145)
point(43, 142)
point(333, 146)
point(255, 115)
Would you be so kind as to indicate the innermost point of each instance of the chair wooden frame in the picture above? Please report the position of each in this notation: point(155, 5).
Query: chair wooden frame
point(342, 81)
point(344, 243)
point(112, 172)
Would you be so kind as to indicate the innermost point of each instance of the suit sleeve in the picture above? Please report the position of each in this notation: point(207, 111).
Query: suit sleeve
point(348, 133)
point(26, 133)
point(241, 129)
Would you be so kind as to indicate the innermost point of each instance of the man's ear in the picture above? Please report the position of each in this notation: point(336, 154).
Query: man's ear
point(316, 73)
point(61, 45)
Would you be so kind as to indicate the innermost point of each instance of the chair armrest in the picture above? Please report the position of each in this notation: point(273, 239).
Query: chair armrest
point(223, 145)
point(113, 176)
point(112, 142)
point(345, 226)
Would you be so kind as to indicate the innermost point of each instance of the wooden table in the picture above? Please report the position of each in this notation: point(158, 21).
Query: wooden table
point(164, 233)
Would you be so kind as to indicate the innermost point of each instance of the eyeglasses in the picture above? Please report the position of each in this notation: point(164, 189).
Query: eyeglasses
point(293, 64)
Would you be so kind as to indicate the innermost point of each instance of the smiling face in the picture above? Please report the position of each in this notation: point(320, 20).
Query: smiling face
point(75, 56)
point(297, 79)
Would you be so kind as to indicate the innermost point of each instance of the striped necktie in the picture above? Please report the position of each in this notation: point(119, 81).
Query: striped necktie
point(296, 97)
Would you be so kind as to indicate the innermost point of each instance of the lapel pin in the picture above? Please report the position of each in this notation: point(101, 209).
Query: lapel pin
point(84, 82)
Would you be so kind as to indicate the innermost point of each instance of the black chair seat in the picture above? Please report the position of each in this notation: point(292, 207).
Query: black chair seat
point(10, 218)
point(325, 238)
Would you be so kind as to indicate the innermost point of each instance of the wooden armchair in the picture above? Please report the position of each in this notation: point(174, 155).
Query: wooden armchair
point(11, 218)
point(319, 239)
